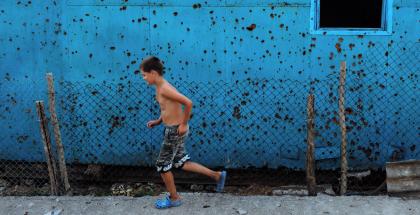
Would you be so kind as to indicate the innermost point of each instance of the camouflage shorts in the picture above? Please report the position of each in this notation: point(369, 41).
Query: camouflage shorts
point(172, 152)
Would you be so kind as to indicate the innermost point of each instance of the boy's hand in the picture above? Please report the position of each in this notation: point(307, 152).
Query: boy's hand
point(182, 129)
point(153, 123)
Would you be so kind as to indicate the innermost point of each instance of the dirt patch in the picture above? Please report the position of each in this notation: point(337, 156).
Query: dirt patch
point(107, 180)
point(24, 190)
point(251, 190)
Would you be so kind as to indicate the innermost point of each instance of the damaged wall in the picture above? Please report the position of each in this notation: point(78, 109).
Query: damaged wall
point(258, 59)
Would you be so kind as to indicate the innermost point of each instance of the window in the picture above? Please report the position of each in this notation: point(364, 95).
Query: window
point(351, 17)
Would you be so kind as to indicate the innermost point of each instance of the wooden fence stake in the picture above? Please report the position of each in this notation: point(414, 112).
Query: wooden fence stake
point(52, 169)
point(310, 161)
point(57, 134)
point(344, 165)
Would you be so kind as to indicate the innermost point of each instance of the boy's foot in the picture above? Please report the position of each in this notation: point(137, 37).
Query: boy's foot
point(221, 182)
point(167, 202)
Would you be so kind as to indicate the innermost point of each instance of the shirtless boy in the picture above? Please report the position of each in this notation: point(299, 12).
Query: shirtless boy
point(175, 111)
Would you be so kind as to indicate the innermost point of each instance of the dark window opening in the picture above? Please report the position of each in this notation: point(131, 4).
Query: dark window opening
point(350, 13)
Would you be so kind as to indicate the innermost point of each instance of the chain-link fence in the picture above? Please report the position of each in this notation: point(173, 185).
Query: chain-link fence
point(22, 160)
point(255, 128)
point(234, 125)
point(380, 114)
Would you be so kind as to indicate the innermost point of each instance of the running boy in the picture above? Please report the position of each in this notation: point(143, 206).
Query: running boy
point(175, 119)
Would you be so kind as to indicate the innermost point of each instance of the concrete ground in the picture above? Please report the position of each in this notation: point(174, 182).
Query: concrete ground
point(212, 203)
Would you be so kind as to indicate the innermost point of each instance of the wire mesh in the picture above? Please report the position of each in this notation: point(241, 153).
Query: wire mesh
point(250, 123)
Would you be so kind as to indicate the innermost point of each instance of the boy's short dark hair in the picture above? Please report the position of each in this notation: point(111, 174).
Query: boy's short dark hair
point(152, 63)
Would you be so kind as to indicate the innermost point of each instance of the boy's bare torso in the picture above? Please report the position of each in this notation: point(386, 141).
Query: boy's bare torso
point(170, 111)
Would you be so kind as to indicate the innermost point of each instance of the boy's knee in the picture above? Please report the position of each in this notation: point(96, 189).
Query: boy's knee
point(163, 168)
point(179, 163)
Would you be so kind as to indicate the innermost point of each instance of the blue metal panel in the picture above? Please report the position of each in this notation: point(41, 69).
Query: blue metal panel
point(265, 3)
point(226, 56)
point(175, 33)
point(108, 2)
point(104, 42)
point(267, 42)
point(408, 3)
point(196, 4)
point(27, 36)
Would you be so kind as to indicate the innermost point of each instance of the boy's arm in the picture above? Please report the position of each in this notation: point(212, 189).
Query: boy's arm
point(159, 119)
point(152, 123)
point(174, 95)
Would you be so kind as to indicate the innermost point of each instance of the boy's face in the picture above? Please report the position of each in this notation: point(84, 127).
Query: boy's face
point(149, 77)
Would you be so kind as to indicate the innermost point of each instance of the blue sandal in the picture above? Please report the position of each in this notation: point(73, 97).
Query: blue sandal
point(167, 203)
point(221, 183)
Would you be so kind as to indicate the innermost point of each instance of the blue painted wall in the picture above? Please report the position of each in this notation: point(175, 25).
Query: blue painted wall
point(247, 65)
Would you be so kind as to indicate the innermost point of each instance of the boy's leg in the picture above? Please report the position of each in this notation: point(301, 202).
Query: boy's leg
point(168, 179)
point(165, 159)
point(198, 168)
point(182, 161)
point(219, 177)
